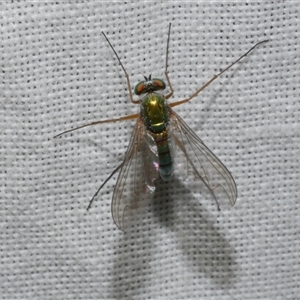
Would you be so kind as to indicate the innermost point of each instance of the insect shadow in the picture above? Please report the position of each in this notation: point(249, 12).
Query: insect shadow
point(174, 229)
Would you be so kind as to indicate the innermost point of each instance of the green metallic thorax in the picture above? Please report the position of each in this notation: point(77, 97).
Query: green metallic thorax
point(154, 112)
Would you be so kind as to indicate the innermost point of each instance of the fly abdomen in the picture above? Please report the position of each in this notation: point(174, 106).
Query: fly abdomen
point(165, 159)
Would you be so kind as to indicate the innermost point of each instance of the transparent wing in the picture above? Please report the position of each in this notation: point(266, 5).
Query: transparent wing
point(203, 163)
point(138, 172)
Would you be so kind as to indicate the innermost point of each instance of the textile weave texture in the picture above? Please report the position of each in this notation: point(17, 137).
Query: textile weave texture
point(58, 72)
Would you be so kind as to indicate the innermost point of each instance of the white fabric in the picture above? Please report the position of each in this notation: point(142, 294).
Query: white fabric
point(58, 72)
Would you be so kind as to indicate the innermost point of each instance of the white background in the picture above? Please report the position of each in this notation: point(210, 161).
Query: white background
point(58, 72)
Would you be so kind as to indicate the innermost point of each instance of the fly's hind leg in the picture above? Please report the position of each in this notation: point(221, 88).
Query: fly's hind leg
point(103, 184)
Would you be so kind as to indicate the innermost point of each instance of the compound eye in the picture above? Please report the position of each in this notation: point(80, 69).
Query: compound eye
point(160, 84)
point(139, 88)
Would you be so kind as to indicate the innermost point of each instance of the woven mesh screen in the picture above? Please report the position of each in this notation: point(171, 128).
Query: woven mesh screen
point(58, 72)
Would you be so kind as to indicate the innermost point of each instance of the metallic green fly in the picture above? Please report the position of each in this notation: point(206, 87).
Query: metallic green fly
point(160, 138)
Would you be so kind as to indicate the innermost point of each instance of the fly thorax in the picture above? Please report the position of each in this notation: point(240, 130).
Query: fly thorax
point(155, 113)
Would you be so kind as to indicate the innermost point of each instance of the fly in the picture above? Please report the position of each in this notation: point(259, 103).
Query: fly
point(159, 134)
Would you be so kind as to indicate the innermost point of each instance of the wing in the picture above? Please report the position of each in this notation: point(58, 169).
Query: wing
point(203, 163)
point(137, 175)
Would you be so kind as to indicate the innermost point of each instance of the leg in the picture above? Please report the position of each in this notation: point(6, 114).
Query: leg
point(103, 184)
point(214, 77)
point(166, 66)
point(126, 75)
point(100, 122)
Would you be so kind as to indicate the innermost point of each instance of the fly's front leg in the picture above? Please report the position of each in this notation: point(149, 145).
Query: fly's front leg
point(170, 86)
point(126, 75)
point(166, 66)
